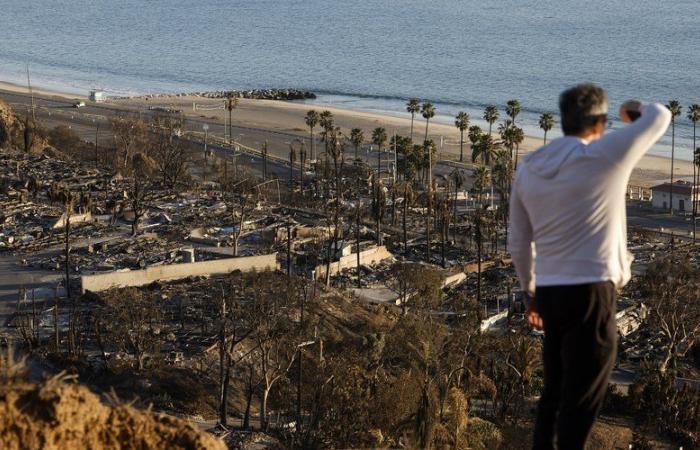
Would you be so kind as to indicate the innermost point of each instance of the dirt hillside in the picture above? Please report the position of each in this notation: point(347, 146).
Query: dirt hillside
point(57, 415)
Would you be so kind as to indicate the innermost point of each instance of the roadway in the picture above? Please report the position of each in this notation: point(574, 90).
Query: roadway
point(91, 123)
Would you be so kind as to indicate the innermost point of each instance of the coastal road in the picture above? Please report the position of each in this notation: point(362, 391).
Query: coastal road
point(91, 123)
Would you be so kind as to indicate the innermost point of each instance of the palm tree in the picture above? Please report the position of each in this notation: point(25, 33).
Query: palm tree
point(462, 123)
point(457, 178)
point(311, 120)
point(513, 109)
point(357, 137)
point(491, 116)
point(378, 204)
point(518, 136)
point(484, 147)
point(292, 159)
point(675, 107)
point(429, 151)
point(413, 107)
point(428, 112)
point(481, 180)
point(694, 116)
point(325, 120)
point(696, 163)
point(408, 199)
point(546, 123)
point(474, 136)
point(512, 137)
point(502, 178)
point(231, 103)
point(379, 138)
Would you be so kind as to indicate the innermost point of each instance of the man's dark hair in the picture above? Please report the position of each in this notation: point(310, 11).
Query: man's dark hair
point(581, 107)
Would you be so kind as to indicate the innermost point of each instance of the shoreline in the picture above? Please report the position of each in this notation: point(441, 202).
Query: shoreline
point(288, 116)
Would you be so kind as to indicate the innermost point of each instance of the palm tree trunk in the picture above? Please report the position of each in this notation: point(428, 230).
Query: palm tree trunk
point(427, 122)
point(545, 137)
point(230, 128)
point(405, 245)
point(413, 116)
point(461, 145)
point(478, 263)
point(311, 142)
point(357, 238)
point(427, 226)
point(673, 149)
point(695, 182)
point(454, 211)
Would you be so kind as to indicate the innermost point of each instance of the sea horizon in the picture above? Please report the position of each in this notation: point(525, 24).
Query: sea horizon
point(367, 57)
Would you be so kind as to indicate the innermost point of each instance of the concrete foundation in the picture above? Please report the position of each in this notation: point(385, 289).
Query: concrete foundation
point(367, 258)
point(101, 282)
point(74, 220)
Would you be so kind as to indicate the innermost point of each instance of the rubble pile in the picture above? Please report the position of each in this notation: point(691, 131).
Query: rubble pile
point(31, 203)
point(145, 250)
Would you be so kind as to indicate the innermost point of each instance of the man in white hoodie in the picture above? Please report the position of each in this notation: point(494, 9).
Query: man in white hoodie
point(568, 241)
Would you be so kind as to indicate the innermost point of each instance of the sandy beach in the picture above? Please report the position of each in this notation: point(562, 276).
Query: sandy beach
point(289, 117)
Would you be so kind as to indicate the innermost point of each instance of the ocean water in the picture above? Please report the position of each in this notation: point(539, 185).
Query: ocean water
point(369, 54)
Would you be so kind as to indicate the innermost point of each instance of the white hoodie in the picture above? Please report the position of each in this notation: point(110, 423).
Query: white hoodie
point(567, 209)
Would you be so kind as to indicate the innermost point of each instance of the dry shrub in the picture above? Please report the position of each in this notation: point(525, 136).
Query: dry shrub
point(59, 415)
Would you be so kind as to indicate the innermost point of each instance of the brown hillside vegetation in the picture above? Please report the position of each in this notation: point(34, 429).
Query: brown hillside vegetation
point(12, 131)
point(59, 415)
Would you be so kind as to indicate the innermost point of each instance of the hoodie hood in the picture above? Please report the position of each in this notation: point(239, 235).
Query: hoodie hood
point(547, 161)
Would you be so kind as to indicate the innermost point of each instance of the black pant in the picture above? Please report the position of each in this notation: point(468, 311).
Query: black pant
point(579, 352)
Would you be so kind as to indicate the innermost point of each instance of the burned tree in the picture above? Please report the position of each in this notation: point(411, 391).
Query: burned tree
point(672, 286)
point(133, 323)
point(233, 329)
point(442, 215)
point(139, 189)
point(245, 205)
point(273, 336)
point(169, 148)
point(408, 199)
point(378, 206)
point(415, 284)
point(129, 137)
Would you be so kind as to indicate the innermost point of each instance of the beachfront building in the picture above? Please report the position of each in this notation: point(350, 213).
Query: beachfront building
point(684, 193)
point(97, 96)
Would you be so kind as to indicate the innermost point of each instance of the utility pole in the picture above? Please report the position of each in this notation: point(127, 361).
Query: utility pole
point(289, 248)
point(396, 164)
point(97, 131)
point(357, 237)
